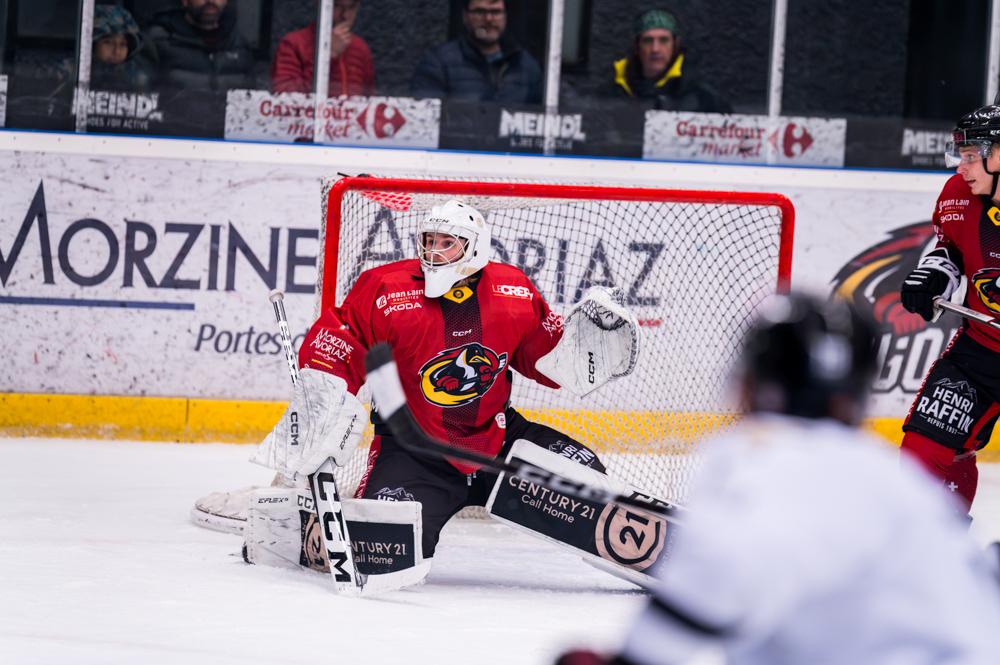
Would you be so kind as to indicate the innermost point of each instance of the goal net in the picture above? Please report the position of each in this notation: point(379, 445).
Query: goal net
point(692, 264)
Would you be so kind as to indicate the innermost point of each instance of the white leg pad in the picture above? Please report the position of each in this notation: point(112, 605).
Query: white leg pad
point(282, 531)
point(227, 511)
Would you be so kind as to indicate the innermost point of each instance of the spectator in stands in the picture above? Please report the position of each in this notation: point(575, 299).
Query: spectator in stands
point(484, 64)
point(351, 68)
point(118, 61)
point(655, 71)
point(199, 47)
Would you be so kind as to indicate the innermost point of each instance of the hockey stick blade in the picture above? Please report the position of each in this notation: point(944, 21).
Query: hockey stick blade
point(390, 401)
point(961, 310)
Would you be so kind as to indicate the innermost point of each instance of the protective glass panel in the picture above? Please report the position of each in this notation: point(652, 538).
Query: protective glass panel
point(167, 67)
point(661, 253)
point(39, 65)
point(877, 65)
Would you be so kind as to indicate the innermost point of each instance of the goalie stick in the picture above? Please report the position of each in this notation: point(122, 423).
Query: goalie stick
point(390, 400)
point(326, 498)
point(962, 310)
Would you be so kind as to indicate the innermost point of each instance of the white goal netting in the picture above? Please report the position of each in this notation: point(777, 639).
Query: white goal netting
point(693, 266)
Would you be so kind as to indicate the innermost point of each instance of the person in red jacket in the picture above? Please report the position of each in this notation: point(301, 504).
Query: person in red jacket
point(351, 68)
point(958, 404)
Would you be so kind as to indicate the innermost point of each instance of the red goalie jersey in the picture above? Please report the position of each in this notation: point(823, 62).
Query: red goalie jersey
point(454, 353)
point(969, 227)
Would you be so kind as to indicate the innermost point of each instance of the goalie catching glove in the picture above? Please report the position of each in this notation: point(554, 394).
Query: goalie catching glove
point(600, 342)
point(935, 275)
point(324, 419)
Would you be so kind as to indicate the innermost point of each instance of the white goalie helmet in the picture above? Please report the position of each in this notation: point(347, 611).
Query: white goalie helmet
point(453, 243)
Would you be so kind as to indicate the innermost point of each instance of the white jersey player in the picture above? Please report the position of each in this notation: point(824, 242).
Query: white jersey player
point(806, 540)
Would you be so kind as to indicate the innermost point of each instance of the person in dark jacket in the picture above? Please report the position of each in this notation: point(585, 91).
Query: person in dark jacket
point(483, 64)
point(198, 47)
point(118, 60)
point(351, 68)
point(654, 71)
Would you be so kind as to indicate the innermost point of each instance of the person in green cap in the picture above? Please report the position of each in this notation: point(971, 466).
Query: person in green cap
point(655, 71)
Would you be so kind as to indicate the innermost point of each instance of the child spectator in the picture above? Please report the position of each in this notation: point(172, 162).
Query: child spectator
point(118, 63)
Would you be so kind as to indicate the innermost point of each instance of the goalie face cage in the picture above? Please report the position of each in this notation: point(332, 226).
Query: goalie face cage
point(693, 266)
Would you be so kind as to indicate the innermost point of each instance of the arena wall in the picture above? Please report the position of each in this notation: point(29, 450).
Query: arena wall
point(135, 271)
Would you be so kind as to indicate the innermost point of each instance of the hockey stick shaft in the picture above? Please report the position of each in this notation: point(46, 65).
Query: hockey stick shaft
point(388, 395)
point(326, 498)
point(277, 299)
point(968, 313)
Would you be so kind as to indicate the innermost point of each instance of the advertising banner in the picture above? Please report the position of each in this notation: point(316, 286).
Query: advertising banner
point(137, 276)
point(125, 112)
point(189, 113)
point(360, 121)
point(861, 243)
point(897, 143)
point(744, 139)
point(923, 147)
point(607, 130)
point(140, 277)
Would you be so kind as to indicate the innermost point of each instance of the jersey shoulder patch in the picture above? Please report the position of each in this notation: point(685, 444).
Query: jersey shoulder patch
point(507, 281)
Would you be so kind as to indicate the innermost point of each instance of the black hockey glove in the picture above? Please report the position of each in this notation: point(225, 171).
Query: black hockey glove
point(935, 275)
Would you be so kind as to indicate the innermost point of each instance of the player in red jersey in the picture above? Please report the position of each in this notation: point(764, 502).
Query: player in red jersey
point(957, 406)
point(458, 324)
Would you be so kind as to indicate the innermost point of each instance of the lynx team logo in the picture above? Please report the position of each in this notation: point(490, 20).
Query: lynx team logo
point(871, 282)
point(460, 375)
point(987, 283)
point(878, 272)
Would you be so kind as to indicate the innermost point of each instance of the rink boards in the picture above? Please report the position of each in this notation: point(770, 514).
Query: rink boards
point(195, 420)
point(133, 290)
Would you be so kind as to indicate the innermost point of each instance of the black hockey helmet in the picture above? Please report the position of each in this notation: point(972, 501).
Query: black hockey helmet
point(979, 129)
point(808, 357)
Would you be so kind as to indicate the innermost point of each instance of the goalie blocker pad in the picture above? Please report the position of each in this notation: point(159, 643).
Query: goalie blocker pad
point(282, 530)
point(622, 541)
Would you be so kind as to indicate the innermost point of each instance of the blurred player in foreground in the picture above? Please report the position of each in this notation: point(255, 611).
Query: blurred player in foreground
point(806, 542)
point(958, 404)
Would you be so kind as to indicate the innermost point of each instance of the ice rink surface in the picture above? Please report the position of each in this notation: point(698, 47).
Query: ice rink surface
point(99, 564)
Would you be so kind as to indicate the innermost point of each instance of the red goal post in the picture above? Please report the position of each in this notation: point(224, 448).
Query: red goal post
point(693, 265)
